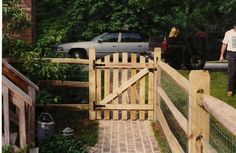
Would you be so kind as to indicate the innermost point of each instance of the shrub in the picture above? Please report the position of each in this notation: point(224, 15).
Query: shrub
point(62, 144)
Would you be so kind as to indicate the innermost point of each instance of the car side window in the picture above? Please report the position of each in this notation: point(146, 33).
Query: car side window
point(110, 37)
point(131, 37)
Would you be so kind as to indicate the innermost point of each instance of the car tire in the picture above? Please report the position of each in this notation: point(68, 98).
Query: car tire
point(196, 62)
point(77, 55)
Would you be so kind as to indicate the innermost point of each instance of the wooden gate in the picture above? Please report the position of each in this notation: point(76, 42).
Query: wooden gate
point(122, 86)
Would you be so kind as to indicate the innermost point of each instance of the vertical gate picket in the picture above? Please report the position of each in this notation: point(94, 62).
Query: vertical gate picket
point(132, 91)
point(133, 87)
point(98, 90)
point(150, 91)
point(124, 78)
point(115, 84)
point(142, 92)
point(107, 86)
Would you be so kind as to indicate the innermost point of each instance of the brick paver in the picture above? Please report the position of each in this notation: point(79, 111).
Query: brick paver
point(125, 137)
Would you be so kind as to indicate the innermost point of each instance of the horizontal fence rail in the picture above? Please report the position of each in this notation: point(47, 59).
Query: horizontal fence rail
point(18, 107)
point(201, 106)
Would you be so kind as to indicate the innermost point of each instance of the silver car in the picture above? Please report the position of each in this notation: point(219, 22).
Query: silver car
point(108, 43)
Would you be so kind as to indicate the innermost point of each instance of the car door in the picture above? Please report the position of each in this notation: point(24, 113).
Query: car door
point(132, 42)
point(106, 44)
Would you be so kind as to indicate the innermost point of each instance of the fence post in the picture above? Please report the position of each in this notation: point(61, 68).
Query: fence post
point(31, 116)
point(6, 115)
point(92, 83)
point(157, 82)
point(198, 123)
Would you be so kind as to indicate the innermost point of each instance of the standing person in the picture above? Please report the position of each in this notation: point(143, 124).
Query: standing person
point(229, 43)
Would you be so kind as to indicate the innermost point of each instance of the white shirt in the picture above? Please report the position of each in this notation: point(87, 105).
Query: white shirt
point(230, 40)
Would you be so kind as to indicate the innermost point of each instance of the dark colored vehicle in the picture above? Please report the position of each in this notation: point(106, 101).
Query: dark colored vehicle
point(194, 50)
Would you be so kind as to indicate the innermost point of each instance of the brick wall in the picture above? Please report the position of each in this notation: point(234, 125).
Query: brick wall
point(29, 34)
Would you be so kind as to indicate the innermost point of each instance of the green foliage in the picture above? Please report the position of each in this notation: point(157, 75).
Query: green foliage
point(10, 149)
point(82, 20)
point(37, 68)
point(45, 97)
point(62, 144)
point(15, 21)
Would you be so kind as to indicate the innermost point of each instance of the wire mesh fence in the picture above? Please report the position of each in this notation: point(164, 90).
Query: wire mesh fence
point(221, 139)
point(180, 100)
point(70, 94)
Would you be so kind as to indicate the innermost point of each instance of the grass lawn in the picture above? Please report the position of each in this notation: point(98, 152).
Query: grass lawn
point(218, 89)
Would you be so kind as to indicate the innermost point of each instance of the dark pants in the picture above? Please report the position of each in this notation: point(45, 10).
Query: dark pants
point(232, 71)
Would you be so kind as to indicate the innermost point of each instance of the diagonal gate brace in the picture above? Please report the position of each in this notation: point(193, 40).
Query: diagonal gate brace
point(124, 86)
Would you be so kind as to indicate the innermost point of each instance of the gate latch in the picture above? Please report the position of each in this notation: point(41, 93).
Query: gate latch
point(96, 106)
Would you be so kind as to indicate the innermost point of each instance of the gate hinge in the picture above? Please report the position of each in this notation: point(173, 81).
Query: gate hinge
point(152, 69)
point(96, 106)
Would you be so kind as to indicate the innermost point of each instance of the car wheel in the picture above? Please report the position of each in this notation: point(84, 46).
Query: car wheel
point(77, 55)
point(196, 62)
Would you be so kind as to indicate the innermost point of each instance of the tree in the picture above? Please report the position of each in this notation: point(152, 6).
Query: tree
point(15, 20)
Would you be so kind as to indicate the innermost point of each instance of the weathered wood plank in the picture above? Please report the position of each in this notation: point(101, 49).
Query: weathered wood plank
point(171, 139)
point(177, 77)
point(157, 55)
point(99, 90)
point(31, 116)
point(133, 114)
point(107, 86)
point(124, 78)
point(79, 106)
point(150, 92)
point(142, 91)
point(92, 83)
point(75, 84)
point(124, 86)
point(124, 65)
point(223, 112)
point(156, 99)
point(16, 90)
point(176, 113)
point(18, 74)
point(6, 115)
point(69, 60)
point(22, 126)
point(115, 84)
point(199, 118)
point(128, 107)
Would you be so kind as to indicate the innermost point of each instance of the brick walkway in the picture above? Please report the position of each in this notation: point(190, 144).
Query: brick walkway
point(125, 137)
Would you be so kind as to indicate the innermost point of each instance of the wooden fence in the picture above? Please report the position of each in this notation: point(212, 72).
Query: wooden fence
point(201, 106)
point(18, 106)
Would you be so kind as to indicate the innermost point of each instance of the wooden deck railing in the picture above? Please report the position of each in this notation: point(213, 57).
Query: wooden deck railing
point(18, 105)
point(201, 106)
